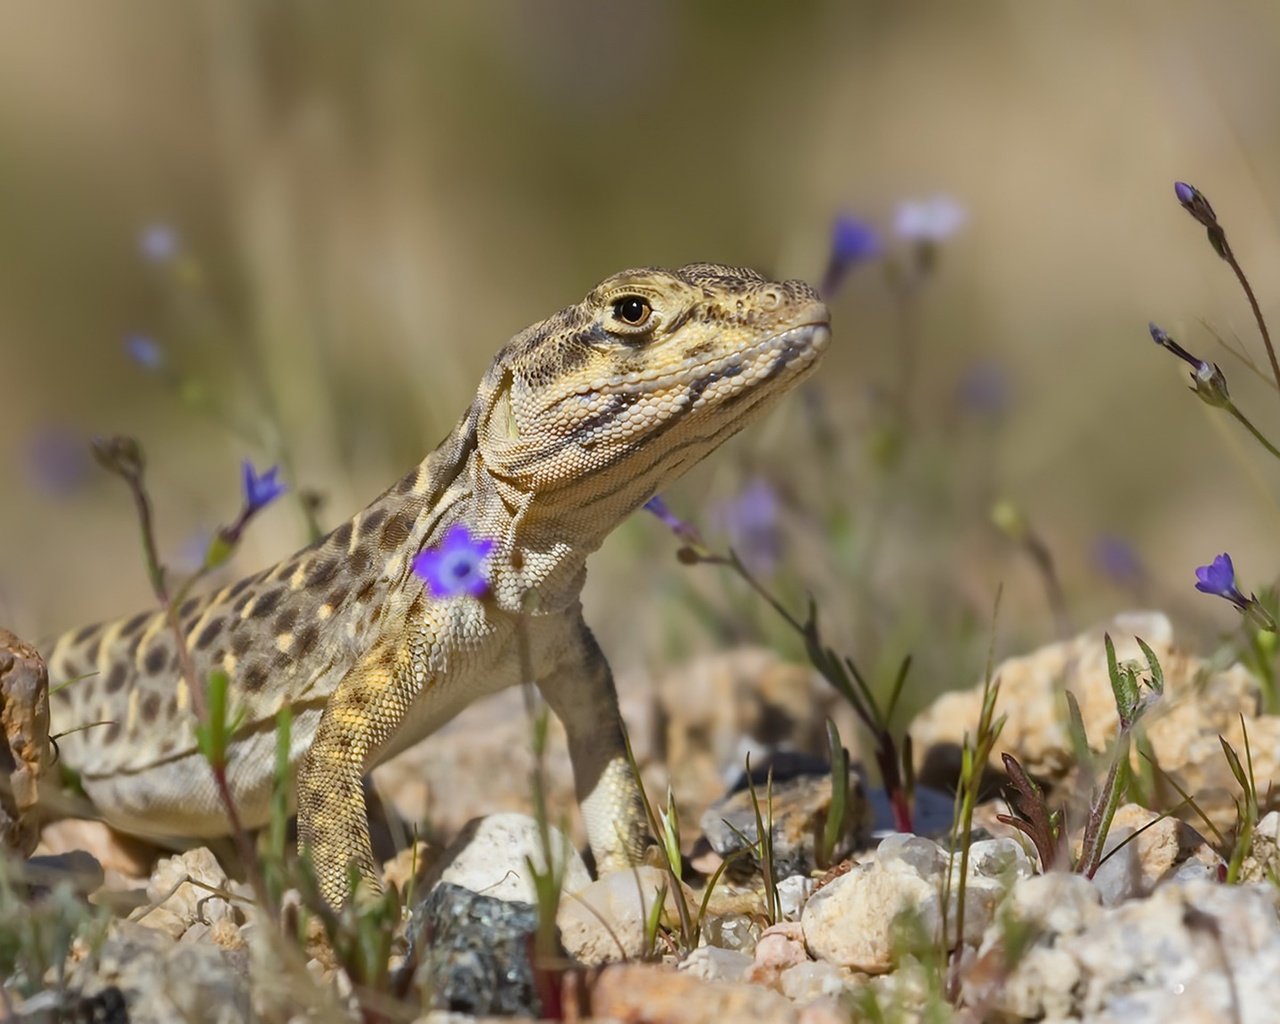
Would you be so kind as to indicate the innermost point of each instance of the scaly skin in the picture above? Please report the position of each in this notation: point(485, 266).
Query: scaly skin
point(579, 421)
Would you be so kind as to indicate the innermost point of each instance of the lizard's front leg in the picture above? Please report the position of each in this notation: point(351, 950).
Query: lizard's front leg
point(581, 693)
point(361, 715)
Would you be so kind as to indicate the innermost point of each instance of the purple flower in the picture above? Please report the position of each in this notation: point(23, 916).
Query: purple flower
point(144, 351)
point(853, 241)
point(1118, 560)
point(929, 221)
point(752, 522)
point(1195, 203)
point(57, 460)
point(984, 388)
point(158, 242)
point(260, 490)
point(685, 531)
point(1219, 579)
point(456, 566)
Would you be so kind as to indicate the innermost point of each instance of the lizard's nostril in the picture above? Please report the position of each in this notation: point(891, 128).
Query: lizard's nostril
point(770, 298)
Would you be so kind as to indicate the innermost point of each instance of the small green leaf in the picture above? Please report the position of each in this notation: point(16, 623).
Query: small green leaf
point(218, 551)
point(834, 827)
point(1124, 686)
point(1233, 762)
point(1157, 673)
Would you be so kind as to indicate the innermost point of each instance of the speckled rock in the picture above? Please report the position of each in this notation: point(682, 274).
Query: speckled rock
point(800, 807)
point(474, 952)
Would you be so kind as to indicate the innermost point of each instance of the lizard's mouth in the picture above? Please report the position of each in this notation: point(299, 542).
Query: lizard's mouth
point(793, 349)
point(755, 367)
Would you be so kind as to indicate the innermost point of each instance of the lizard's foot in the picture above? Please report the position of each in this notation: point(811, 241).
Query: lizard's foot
point(24, 740)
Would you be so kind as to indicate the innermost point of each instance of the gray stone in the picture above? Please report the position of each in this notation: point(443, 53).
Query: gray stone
point(793, 892)
point(714, 964)
point(1196, 951)
point(474, 952)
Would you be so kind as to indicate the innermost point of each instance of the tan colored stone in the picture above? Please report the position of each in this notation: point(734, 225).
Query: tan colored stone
point(1200, 767)
point(1262, 863)
point(225, 934)
point(171, 888)
point(648, 994)
point(1159, 849)
point(719, 707)
point(410, 865)
point(119, 855)
point(605, 921)
point(851, 922)
point(1198, 703)
point(779, 948)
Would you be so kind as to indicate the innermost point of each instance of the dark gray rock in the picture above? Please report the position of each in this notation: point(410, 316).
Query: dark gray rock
point(474, 952)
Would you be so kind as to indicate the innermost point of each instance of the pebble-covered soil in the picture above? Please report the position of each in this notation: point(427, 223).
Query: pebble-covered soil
point(1180, 922)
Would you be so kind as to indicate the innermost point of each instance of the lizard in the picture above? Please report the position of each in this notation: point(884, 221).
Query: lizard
point(578, 422)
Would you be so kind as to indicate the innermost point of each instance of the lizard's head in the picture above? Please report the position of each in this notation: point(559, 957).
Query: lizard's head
point(619, 394)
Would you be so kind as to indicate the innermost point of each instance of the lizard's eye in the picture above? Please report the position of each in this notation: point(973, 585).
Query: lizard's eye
point(633, 310)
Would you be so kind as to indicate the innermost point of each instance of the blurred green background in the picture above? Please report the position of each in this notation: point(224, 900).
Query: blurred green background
point(369, 199)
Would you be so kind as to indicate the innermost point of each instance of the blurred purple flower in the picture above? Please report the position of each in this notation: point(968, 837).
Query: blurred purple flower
point(1117, 559)
point(752, 522)
point(144, 351)
point(853, 241)
point(456, 566)
point(158, 242)
point(57, 460)
point(930, 220)
point(984, 388)
point(1184, 192)
point(685, 531)
point(1219, 579)
point(260, 490)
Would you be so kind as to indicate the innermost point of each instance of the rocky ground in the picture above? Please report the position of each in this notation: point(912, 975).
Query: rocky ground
point(1180, 922)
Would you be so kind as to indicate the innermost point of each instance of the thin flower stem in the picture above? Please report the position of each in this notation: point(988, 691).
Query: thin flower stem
point(244, 847)
point(735, 563)
point(1231, 408)
point(1257, 315)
